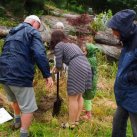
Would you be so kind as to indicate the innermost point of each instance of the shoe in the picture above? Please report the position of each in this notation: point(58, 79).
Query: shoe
point(67, 125)
point(15, 126)
point(76, 123)
point(24, 135)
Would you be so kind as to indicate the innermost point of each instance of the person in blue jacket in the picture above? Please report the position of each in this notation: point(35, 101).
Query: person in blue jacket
point(23, 48)
point(125, 88)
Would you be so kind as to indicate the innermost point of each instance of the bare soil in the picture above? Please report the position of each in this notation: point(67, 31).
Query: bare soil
point(44, 106)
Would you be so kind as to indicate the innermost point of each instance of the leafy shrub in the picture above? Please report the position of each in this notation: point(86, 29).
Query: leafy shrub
point(80, 24)
point(72, 5)
point(117, 5)
point(34, 7)
point(2, 11)
point(8, 22)
point(100, 21)
point(107, 67)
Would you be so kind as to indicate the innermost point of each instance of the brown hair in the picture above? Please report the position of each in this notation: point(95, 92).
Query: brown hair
point(56, 37)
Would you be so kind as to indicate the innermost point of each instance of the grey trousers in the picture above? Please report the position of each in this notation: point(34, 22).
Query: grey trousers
point(120, 122)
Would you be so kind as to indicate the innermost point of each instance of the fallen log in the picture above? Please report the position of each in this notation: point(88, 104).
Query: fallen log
point(111, 51)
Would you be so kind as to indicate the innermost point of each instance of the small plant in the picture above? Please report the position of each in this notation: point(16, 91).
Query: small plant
point(81, 26)
point(100, 21)
point(106, 66)
point(83, 19)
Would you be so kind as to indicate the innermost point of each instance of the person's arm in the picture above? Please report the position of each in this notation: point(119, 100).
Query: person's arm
point(59, 56)
point(132, 76)
point(39, 55)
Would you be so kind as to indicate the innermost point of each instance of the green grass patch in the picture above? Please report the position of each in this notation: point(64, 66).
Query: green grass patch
point(4, 21)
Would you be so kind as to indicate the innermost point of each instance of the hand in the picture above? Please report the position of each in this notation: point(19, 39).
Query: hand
point(54, 70)
point(49, 82)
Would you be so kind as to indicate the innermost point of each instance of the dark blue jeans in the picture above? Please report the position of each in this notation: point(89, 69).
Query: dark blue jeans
point(120, 122)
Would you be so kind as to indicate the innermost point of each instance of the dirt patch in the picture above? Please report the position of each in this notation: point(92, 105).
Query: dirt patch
point(3, 134)
point(45, 104)
point(1, 102)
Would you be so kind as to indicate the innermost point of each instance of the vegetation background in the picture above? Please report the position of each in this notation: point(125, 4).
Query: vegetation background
point(44, 125)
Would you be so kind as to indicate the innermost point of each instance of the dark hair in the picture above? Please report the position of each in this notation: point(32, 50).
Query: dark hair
point(56, 37)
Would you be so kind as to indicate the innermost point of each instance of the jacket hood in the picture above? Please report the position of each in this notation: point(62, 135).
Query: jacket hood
point(123, 22)
point(19, 27)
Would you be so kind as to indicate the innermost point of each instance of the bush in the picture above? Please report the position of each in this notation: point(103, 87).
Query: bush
point(80, 24)
point(100, 21)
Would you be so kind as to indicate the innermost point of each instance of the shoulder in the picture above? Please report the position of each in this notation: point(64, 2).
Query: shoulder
point(60, 45)
point(66, 45)
point(32, 32)
point(30, 29)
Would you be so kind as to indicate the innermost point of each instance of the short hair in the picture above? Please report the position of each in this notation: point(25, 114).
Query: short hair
point(33, 17)
point(59, 25)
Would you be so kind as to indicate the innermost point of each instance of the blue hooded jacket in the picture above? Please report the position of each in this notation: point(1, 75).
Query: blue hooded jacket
point(125, 87)
point(23, 48)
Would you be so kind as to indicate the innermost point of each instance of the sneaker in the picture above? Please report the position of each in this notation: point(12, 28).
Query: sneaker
point(15, 126)
point(24, 135)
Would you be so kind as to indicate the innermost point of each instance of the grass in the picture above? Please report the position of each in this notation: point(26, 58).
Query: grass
point(104, 107)
point(5, 21)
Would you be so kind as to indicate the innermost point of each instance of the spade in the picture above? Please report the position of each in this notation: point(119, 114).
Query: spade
point(57, 103)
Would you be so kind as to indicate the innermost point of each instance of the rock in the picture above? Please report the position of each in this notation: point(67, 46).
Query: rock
point(45, 32)
point(106, 37)
point(111, 51)
point(60, 13)
point(3, 31)
point(52, 20)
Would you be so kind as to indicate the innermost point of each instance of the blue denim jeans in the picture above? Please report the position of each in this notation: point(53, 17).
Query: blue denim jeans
point(120, 122)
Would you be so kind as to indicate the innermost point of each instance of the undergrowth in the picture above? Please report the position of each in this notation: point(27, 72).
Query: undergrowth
point(5, 21)
point(44, 125)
